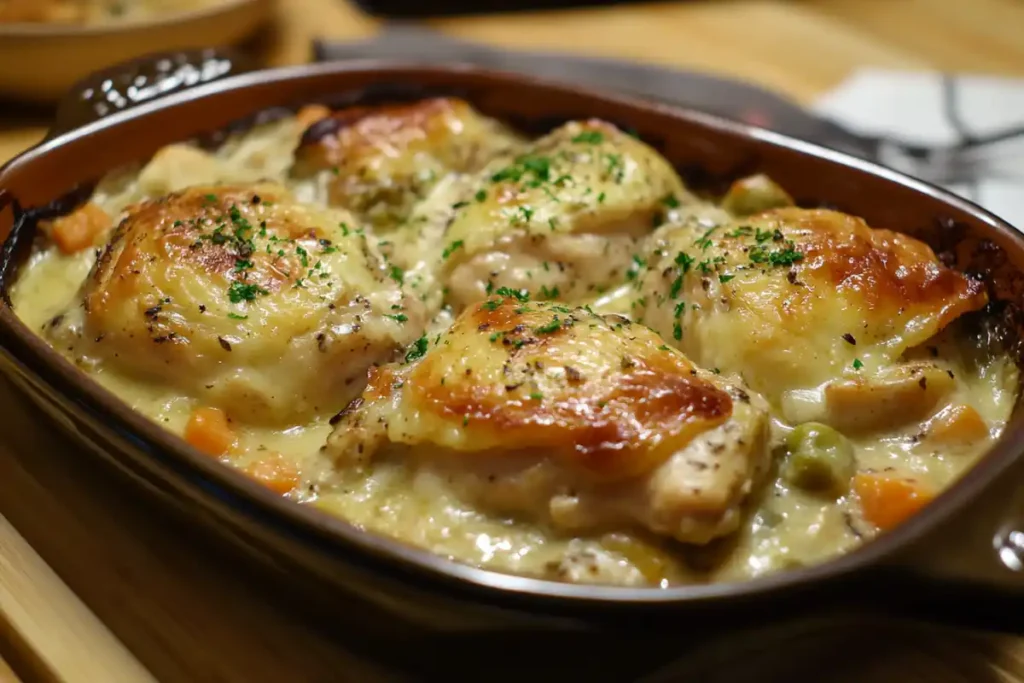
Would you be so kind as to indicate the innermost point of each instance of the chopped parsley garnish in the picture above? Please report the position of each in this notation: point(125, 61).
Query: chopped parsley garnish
point(684, 261)
point(481, 195)
point(857, 365)
point(615, 165)
point(303, 256)
point(634, 268)
point(450, 249)
point(680, 307)
point(492, 304)
point(210, 197)
point(705, 240)
point(740, 231)
point(513, 173)
point(552, 222)
point(536, 396)
point(762, 235)
point(241, 291)
point(526, 212)
point(397, 274)
point(538, 167)
point(235, 316)
point(677, 286)
point(242, 264)
point(670, 201)
point(783, 257)
point(677, 331)
point(589, 137)
point(418, 349)
point(459, 205)
point(786, 257)
point(549, 293)
point(398, 317)
point(725, 278)
point(517, 294)
point(550, 327)
point(600, 198)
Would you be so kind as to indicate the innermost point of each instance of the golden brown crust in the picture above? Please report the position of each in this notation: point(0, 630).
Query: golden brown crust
point(584, 422)
point(361, 132)
point(194, 230)
point(886, 269)
point(244, 298)
point(383, 158)
point(614, 419)
point(793, 298)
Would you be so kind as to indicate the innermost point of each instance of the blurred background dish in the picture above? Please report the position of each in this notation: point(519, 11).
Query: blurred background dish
point(47, 45)
point(93, 11)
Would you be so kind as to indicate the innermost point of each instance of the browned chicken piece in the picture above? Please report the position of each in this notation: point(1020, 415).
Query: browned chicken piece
point(554, 414)
point(563, 221)
point(378, 161)
point(239, 296)
point(794, 299)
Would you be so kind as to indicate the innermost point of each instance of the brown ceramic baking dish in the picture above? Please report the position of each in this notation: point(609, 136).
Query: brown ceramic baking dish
point(959, 560)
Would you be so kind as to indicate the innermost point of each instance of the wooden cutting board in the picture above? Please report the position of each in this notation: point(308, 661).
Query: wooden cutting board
point(97, 585)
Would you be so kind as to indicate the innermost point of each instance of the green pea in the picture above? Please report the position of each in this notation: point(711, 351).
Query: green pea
point(820, 459)
point(753, 195)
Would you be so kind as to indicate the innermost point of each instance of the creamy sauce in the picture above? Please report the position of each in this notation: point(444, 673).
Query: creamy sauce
point(784, 526)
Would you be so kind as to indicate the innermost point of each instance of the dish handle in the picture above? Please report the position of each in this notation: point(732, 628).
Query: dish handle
point(144, 79)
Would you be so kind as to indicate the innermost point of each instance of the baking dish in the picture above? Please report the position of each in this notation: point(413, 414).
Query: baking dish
point(959, 560)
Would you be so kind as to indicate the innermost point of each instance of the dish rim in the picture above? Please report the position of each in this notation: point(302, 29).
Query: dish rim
point(29, 29)
point(341, 535)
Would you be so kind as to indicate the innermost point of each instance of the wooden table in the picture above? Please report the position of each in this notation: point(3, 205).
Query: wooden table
point(111, 567)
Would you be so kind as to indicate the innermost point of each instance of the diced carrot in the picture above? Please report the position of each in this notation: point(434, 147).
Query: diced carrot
point(79, 229)
point(888, 501)
point(209, 431)
point(312, 113)
point(958, 424)
point(275, 472)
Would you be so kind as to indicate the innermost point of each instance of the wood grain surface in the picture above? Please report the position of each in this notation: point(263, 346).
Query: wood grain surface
point(98, 585)
point(7, 674)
